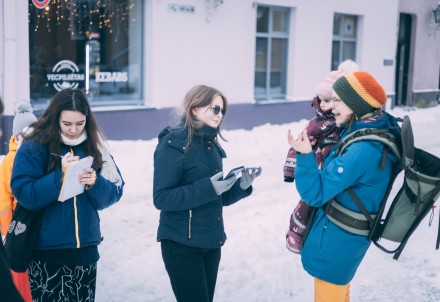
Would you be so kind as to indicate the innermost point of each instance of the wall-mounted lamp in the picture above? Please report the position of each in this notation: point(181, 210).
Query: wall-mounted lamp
point(436, 13)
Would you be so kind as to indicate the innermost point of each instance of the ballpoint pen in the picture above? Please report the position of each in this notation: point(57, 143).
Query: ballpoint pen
point(58, 155)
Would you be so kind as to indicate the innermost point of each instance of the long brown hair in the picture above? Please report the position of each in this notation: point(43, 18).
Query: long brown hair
point(47, 129)
point(200, 96)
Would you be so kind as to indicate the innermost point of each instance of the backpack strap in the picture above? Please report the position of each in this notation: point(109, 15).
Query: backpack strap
point(363, 223)
point(348, 220)
point(384, 136)
point(360, 205)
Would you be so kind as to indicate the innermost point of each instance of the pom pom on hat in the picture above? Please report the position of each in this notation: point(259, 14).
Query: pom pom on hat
point(361, 92)
point(23, 117)
point(324, 88)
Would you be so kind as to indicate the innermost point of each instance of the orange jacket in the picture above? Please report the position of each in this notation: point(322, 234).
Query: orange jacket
point(7, 199)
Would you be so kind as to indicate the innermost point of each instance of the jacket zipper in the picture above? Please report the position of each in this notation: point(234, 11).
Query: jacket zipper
point(189, 223)
point(78, 243)
point(75, 210)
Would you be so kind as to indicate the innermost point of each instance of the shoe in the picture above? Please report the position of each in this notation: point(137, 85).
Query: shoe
point(294, 242)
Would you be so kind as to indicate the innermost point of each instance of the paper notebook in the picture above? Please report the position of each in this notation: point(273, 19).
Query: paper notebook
point(71, 185)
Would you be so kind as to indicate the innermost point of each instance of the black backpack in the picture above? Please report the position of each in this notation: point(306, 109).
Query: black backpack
point(397, 218)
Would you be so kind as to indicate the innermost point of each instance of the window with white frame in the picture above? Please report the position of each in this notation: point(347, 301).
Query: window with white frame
point(344, 39)
point(271, 53)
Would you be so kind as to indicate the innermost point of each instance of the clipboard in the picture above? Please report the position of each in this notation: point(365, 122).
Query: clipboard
point(71, 186)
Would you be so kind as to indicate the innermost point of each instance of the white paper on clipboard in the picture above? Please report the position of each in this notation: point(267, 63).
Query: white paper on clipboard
point(71, 186)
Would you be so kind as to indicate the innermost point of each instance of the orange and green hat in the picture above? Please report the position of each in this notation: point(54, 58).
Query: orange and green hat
point(361, 92)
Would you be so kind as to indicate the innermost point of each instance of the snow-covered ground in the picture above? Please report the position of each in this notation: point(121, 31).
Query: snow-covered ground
point(255, 264)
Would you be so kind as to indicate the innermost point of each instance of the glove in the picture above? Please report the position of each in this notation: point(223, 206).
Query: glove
point(220, 185)
point(247, 178)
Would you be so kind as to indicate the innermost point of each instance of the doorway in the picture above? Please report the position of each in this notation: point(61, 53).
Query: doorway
point(402, 59)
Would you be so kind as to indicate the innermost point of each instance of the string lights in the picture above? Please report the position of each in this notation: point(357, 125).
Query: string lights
point(83, 16)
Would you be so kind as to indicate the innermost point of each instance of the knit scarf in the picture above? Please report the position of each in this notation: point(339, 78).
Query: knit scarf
point(108, 169)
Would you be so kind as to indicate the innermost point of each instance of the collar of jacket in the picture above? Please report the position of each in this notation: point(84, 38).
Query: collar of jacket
point(178, 136)
point(379, 120)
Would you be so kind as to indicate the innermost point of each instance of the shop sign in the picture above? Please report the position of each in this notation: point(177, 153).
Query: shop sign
point(105, 76)
point(65, 74)
point(41, 3)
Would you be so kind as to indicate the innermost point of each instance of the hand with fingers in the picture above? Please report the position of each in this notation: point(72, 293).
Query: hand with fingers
point(67, 159)
point(248, 176)
point(301, 144)
point(220, 185)
point(88, 177)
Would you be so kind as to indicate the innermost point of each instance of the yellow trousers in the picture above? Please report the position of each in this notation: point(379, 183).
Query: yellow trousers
point(329, 292)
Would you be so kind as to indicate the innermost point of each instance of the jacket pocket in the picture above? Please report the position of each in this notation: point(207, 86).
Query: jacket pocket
point(324, 230)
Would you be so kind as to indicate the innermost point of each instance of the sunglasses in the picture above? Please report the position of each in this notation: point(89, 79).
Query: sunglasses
point(217, 109)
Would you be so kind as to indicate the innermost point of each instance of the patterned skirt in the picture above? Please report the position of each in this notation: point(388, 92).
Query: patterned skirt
point(53, 282)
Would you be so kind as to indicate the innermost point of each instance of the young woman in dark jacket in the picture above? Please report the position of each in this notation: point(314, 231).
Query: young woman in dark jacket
point(66, 252)
point(190, 192)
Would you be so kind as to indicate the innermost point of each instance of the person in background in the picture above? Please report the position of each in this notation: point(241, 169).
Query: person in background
point(64, 261)
point(8, 291)
point(190, 192)
point(23, 118)
point(322, 134)
point(330, 254)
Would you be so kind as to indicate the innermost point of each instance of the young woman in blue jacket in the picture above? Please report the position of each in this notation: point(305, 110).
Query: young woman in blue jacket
point(64, 260)
point(330, 254)
point(190, 192)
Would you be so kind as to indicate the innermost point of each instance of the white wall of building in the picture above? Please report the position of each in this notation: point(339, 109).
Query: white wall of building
point(185, 49)
point(14, 70)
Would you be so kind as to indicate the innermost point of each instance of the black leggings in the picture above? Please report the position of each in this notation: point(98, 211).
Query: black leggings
point(192, 271)
point(53, 282)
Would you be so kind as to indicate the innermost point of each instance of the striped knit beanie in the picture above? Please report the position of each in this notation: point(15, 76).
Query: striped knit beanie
point(361, 92)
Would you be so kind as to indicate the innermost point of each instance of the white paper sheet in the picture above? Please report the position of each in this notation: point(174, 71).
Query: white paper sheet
point(71, 186)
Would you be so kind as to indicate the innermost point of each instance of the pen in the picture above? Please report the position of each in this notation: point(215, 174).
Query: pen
point(54, 154)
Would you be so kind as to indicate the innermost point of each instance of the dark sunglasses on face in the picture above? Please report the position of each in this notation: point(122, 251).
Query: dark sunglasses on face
point(217, 109)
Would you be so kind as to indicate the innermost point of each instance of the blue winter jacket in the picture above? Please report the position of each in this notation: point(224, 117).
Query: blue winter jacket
point(331, 253)
point(191, 211)
point(73, 223)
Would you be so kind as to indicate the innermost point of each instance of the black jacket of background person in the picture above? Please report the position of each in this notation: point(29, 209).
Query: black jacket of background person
point(8, 292)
